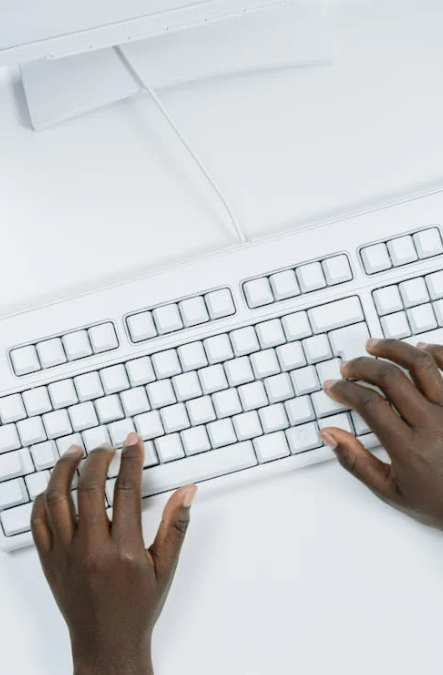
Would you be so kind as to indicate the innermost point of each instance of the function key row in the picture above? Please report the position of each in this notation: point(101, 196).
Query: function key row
point(175, 316)
point(402, 250)
point(294, 282)
point(72, 346)
point(411, 307)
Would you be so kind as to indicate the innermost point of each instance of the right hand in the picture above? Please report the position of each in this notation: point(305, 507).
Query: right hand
point(413, 438)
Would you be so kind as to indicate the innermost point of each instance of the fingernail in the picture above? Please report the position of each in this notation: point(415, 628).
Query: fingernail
point(422, 345)
point(372, 342)
point(327, 384)
point(189, 496)
point(329, 439)
point(131, 439)
point(72, 450)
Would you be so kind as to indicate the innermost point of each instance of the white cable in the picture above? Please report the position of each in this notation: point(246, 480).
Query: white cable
point(235, 224)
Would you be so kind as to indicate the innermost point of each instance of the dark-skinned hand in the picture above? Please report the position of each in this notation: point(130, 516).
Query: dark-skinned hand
point(408, 423)
point(109, 588)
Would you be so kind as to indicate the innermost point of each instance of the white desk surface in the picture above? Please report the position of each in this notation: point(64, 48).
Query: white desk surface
point(307, 573)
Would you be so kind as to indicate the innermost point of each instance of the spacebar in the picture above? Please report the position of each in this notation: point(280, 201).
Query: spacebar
point(198, 467)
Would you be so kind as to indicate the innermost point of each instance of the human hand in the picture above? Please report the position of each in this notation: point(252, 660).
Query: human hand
point(109, 589)
point(413, 438)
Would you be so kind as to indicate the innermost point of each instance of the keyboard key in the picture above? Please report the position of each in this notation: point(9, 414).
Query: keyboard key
point(388, 300)
point(194, 469)
point(428, 243)
point(376, 258)
point(291, 356)
point(218, 349)
point(329, 370)
point(414, 292)
point(58, 424)
point(103, 338)
point(324, 405)
point(25, 360)
point(31, 431)
point(337, 270)
point(244, 341)
point(336, 315)
point(140, 371)
point(169, 448)
point(213, 379)
point(201, 410)
point(166, 364)
point(239, 371)
point(13, 493)
point(119, 431)
point(37, 483)
point(88, 386)
point(247, 425)
point(258, 293)
point(279, 388)
point(221, 433)
point(12, 409)
point(195, 440)
point(422, 319)
point(342, 421)
point(193, 311)
point(44, 455)
point(64, 443)
point(253, 396)
point(270, 334)
point(349, 343)
point(149, 425)
point(51, 353)
point(226, 403)
point(305, 380)
point(94, 438)
point(17, 519)
point(220, 303)
point(77, 345)
point(435, 285)
point(114, 379)
point(63, 394)
point(82, 416)
point(296, 326)
point(273, 418)
point(175, 418)
point(167, 319)
point(311, 277)
point(135, 401)
point(161, 394)
point(11, 466)
point(396, 326)
point(299, 410)
point(109, 409)
point(402, 250)
point(265, 363)
point(438, 309)
point(141, 326)
point(192, 356)
point(271, 447)
point(359, 424)
point(303, 438)
point(284, 285)
point(317, 348)
point(37, 401)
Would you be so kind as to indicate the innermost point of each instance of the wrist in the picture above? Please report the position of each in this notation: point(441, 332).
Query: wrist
point(115, 660)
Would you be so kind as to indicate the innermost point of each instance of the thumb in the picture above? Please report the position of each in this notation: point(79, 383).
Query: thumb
point(166, 548)
point(362, 464)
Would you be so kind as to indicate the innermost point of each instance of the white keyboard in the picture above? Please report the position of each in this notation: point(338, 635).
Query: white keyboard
point(218, 364)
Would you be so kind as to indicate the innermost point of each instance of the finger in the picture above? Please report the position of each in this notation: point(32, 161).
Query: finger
point(392, 381)
point(58, 501)
point(127, 514)
point(367, 468)
point(41, 530)
point(420, 363)
point(436, 351)
point(92, 519)
point(391, 430)
point(166, 548)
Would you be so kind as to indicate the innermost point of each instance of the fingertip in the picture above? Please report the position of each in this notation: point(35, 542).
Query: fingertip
point(328, 438)
point(189, 495)
point(372, 344)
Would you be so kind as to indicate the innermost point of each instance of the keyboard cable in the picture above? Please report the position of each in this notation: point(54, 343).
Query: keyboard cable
point(237, 228)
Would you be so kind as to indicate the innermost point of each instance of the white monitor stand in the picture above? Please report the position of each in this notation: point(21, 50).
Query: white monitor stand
point(69, 64)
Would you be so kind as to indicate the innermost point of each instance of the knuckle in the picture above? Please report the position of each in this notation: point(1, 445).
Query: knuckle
point(387, 371)
point(181, 525)
point(423, 360)
point(348, 462)
point(88, 484)
point(369, 398)
point(53, 496)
